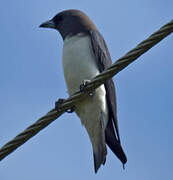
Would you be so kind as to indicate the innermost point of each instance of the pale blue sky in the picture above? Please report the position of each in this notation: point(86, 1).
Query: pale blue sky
point(31, 80)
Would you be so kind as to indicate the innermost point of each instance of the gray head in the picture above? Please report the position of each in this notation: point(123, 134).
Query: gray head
point(70, 22)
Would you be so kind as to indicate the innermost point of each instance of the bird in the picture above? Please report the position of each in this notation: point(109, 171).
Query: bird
point(85, 55)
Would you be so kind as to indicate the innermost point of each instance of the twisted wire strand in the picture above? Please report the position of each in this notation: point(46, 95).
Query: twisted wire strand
point(95, 83)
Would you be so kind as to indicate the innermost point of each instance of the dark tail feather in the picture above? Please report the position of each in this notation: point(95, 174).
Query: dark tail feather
point(113, 143)
point(99, 157)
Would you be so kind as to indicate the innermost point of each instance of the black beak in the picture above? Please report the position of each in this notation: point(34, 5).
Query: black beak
point(48, 24)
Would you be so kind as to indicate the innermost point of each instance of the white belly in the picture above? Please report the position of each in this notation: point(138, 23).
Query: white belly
point(79, 64)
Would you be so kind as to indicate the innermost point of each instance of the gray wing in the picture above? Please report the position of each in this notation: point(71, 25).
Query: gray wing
point(102, 55)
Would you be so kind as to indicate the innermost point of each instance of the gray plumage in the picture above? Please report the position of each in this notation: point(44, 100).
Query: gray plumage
point(85, 55)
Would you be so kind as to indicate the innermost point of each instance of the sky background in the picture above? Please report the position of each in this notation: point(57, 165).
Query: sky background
point(31, 80)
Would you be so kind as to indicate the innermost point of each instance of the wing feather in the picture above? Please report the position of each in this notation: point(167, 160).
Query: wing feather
point(103, 57)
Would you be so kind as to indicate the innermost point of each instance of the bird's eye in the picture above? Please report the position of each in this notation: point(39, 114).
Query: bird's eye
point(60, 18)
point(57, 19)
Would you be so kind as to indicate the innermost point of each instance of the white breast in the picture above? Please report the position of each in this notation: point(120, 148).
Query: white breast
point(78, 61)
point(79, 64)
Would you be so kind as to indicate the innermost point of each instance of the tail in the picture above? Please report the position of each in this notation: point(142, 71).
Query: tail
point(113, 143)
point(99, 154)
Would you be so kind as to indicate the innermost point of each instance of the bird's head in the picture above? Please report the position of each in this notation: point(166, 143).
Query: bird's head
point(70, 22)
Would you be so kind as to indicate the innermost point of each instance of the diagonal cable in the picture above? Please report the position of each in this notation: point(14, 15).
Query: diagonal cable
point(95, 82)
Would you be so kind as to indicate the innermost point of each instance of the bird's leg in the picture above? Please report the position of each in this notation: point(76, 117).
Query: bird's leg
point(58, 105)
point(83, 86)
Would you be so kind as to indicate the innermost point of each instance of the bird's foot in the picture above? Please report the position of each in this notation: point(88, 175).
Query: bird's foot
point(59, 103)
point(83, 86)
